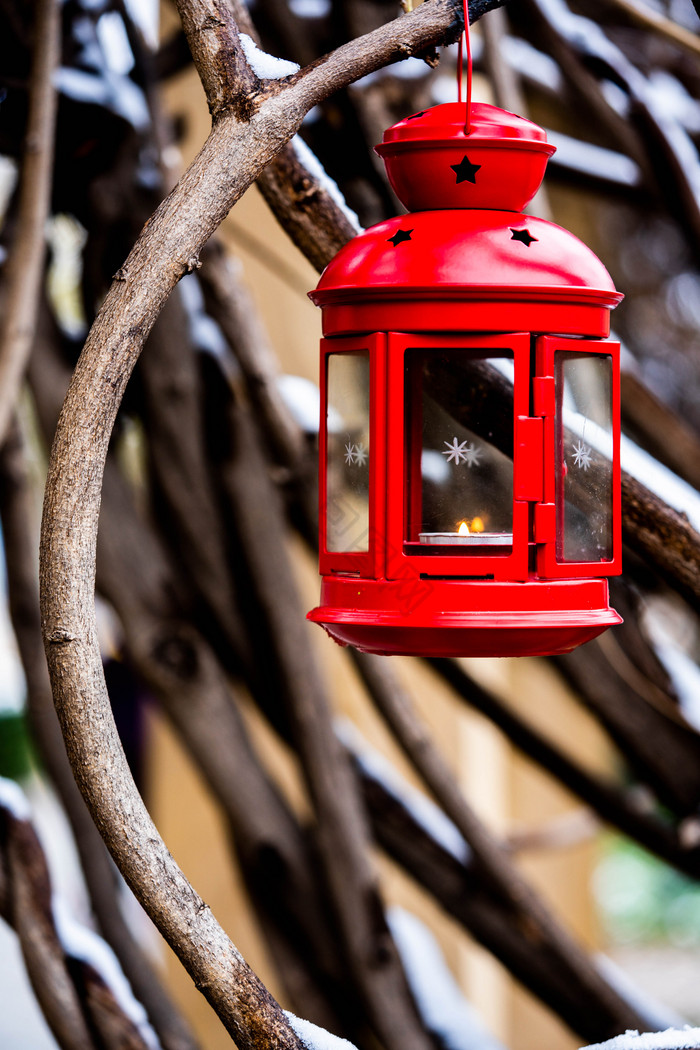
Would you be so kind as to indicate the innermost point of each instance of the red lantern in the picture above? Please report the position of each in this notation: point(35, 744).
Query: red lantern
point(469, 459)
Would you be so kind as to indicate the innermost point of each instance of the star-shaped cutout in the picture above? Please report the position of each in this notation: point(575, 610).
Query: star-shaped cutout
point(399, 236)
point(465, 170)
point(524, 236)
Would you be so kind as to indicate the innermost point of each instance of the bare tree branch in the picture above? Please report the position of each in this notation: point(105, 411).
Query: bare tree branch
point(26, 262)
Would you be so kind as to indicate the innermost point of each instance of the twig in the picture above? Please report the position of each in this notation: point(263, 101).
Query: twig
point(25, 266)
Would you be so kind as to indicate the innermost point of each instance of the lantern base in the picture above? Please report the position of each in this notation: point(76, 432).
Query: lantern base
point(414, 617)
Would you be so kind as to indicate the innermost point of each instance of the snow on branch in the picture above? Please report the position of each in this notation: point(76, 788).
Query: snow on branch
point(315, 1038)
point(64, 959)
point(423, 810)
point(444, 1010)
point(265, 66)
point(672, 1039)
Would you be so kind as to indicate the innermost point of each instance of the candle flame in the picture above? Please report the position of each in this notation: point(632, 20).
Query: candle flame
point(477, 525)
point(463, 529)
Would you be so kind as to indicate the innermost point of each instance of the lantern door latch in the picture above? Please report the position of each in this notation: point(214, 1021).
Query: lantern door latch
point(529, 455)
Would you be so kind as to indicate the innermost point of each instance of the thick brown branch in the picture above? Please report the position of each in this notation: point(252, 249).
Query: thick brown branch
point(212, 33)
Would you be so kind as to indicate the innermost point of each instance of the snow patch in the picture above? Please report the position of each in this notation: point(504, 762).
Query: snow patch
point(82, 943)
point(316, 1038)
point(310, 8)
point(423, 810)
point(593, 160)
point(204, 331)
point(316, 169)
point(680, 668)
point(433, 467)
point(655, 1014)
point(303, 399)
point(146, 15)
point(110, 90)
point(265, 66)
point(440, 1002)
point(667, 485)
point(111, 33)
point(13, 799)
point(533, 64)
point(672, 1039)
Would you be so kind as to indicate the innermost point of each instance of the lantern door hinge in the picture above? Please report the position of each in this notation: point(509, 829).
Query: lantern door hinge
point(528, 458)
point(545, 523)
point(543, 396)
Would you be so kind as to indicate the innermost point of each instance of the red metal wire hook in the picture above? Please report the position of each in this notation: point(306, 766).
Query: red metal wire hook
point(465, 38)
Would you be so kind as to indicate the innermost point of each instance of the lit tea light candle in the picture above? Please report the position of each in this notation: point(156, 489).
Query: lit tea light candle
point(468, 534)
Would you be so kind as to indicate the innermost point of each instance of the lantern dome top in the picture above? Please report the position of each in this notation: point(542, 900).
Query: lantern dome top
point(433, 161)
point(469, 253)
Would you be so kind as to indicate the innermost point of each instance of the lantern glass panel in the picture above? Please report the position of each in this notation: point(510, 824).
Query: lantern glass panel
point(459, 425)
point(584, 457)
point(348, 453)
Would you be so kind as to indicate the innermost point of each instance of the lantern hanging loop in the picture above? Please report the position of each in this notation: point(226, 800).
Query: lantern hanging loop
point(465, 39)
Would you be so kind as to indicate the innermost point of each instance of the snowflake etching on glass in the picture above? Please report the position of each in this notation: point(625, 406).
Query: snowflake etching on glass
point(582, 455)
point(355, 454)
point(472, 456)
point(461, 452)
point(360, 455)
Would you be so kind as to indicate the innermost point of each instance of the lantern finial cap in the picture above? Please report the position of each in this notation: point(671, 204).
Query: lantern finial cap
point(433, 164)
